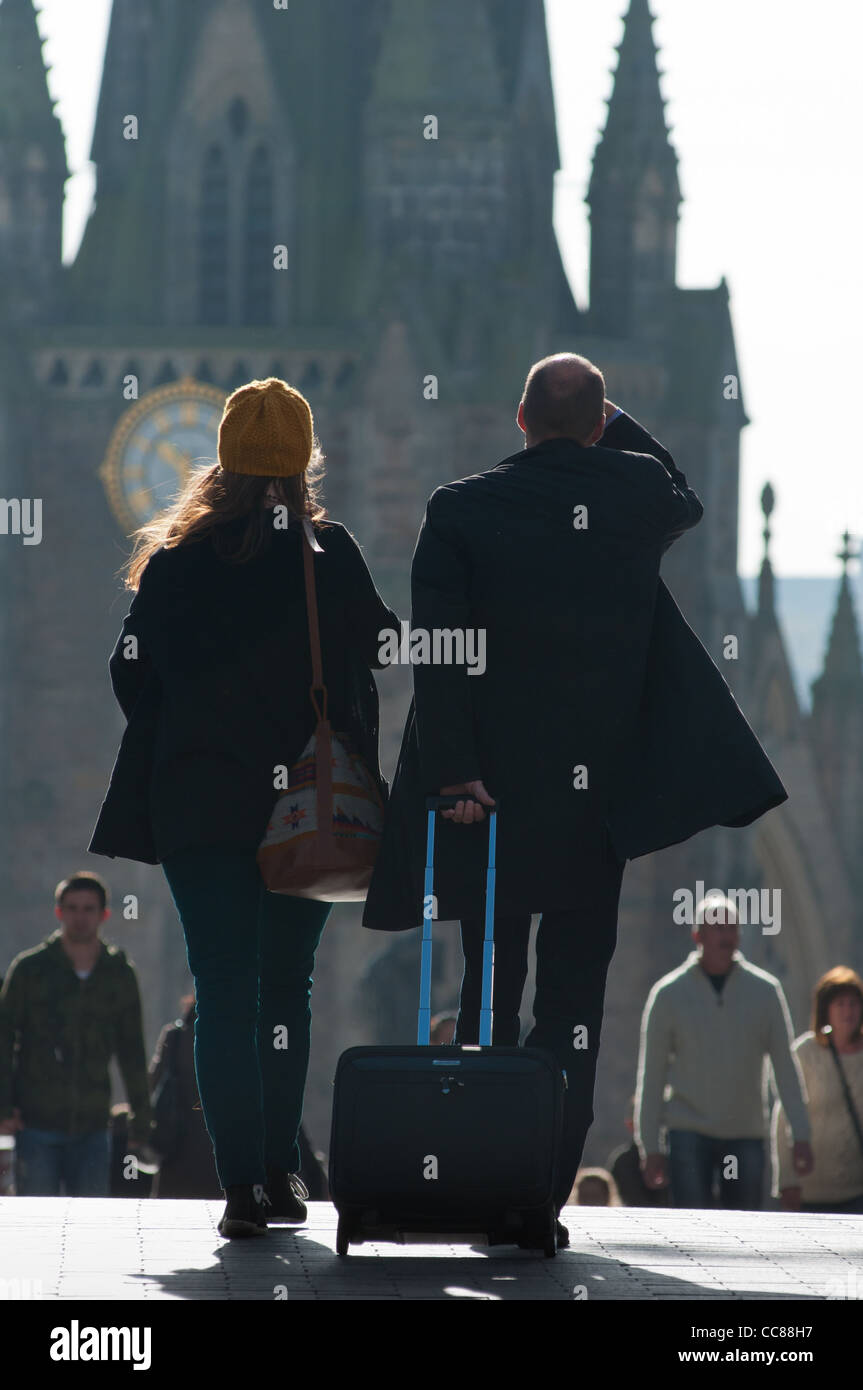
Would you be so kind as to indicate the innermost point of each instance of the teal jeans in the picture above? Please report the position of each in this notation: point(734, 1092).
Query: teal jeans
point(252, 955)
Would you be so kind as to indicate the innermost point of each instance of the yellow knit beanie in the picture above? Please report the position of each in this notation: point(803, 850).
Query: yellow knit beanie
point(266, 430)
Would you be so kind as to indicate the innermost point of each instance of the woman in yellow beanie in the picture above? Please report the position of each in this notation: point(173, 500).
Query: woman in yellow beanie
point(212, 670)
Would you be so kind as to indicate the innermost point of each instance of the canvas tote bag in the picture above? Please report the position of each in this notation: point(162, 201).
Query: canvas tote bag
point(325, 830)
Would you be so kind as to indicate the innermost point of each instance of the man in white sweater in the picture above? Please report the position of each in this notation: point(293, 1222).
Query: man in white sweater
point(707, 1029)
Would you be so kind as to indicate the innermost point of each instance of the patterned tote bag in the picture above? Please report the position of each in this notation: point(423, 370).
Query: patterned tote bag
point(325, 830)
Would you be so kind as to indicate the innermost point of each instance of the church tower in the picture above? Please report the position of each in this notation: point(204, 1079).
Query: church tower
point(634, 194)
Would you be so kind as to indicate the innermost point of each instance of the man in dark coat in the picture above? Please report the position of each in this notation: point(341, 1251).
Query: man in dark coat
point(595, 704)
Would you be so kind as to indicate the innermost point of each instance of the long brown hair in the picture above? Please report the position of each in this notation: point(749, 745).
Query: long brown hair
point(212, 497)
point(840, 980)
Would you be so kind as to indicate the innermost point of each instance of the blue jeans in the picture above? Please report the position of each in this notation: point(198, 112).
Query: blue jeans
point(46, 1157)
point(251, 954)
point(694, 1159)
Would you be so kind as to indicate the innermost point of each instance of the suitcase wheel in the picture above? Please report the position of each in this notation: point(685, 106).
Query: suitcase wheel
point(343, 1236)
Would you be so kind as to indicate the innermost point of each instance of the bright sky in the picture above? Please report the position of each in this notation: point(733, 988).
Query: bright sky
point(766, 105)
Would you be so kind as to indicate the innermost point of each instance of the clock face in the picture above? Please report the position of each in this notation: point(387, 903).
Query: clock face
point(156, 444)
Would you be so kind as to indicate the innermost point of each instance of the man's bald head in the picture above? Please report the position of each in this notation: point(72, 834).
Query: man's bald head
point(564, 397)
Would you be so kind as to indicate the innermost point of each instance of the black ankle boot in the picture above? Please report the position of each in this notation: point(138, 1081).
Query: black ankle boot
point(286, 1191)
point(246, 1211)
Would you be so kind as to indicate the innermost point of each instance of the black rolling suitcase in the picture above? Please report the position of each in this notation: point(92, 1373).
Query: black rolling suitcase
point(446, 1141)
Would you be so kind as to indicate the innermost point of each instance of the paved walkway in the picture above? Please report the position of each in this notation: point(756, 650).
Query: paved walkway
point(82, 1248)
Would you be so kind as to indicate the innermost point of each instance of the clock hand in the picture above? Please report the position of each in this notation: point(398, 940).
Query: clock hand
point(174, 457)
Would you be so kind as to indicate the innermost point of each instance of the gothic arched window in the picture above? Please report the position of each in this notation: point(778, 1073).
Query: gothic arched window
point(258, 240)
point(238, 117)
point(213, 239)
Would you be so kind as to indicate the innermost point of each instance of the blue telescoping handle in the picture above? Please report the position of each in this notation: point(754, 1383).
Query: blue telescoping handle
point(433, 804)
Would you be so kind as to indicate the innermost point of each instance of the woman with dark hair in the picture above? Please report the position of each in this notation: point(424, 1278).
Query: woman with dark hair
point(831, 1058)
point(213, 671)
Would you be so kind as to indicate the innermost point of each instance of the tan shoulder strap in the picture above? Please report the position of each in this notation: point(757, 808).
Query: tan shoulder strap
point(314, 629)
point(323, 737)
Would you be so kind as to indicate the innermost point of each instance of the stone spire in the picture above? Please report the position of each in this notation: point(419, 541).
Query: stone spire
point(768, 685)
point(634, 194)
point(134, 52)
point(33, 169)
point(27, 111)
point(837, 721)
point(842, 677)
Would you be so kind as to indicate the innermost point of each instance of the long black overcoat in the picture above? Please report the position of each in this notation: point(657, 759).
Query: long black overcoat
point(598, 705)
point(218, 693)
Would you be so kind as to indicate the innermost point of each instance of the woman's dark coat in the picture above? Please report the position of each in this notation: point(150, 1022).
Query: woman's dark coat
point(589, 663)
point(218, 694)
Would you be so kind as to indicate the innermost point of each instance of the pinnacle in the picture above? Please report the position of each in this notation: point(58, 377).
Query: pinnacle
point(636, 130)
point(27, 106)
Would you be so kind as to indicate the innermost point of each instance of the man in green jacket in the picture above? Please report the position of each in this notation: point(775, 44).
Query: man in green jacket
point(66, 1007)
